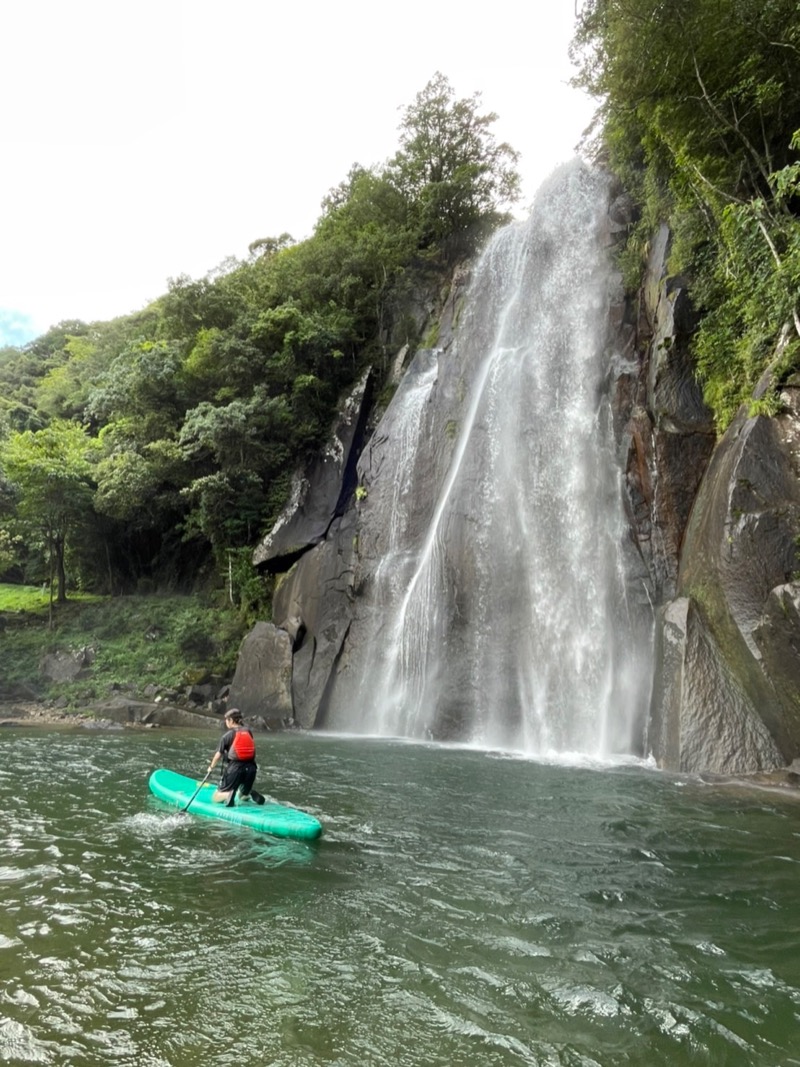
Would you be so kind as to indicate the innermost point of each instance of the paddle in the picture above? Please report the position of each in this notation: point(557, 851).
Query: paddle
point(194, 794)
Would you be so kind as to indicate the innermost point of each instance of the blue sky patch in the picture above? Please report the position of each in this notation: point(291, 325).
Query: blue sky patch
point(15, 328)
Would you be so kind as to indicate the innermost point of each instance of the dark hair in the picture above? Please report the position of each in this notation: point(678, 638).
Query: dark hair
point(234, 715)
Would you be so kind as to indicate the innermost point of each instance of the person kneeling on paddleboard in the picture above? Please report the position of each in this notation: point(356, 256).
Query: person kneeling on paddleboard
point(237, 750)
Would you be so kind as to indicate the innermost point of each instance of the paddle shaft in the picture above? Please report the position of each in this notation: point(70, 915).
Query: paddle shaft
point(194, 794)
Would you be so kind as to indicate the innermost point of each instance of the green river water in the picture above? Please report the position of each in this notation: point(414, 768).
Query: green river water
point(462, 908)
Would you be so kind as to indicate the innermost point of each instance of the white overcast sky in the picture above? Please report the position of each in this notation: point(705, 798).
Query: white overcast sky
point(151, 139)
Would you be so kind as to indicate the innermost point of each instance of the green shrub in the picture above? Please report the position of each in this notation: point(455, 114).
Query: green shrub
point(168, 641)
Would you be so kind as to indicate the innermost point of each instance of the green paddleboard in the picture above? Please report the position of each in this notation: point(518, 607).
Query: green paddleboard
point(270, 818)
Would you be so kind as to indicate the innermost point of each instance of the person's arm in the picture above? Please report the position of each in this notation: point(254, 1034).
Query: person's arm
point(222, 748)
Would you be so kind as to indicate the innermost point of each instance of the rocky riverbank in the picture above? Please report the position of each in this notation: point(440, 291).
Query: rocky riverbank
point(111, 715)
point(122, 711)
point(30, 713)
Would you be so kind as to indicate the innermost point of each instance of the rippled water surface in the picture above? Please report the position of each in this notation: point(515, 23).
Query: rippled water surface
point(462, 908)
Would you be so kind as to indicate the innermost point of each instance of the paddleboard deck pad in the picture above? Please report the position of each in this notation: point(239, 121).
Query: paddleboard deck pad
point(270, 818)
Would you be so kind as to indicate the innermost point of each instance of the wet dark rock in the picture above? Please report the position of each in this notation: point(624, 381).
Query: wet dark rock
point(741, 658)
point(675, 398)
point(262, 684)
point(314, 605)
point(142, 713)
point(667, 429)
point(322, 490)
point(777, 637)
point(200, 694)
point(703, 716)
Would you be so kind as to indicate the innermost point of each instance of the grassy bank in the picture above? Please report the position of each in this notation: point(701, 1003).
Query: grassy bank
point(137, 641)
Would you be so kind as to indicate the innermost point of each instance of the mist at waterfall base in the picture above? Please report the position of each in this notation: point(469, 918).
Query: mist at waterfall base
point(501, 613)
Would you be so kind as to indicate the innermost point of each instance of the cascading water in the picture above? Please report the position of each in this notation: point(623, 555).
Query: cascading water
point(500, 612)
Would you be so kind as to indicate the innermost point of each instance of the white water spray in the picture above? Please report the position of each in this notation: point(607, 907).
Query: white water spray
point(505, 620)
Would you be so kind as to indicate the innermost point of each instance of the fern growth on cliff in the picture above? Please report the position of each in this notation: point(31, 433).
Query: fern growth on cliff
point(699, 114)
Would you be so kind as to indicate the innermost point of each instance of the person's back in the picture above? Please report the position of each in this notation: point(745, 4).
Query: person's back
point(237, 750)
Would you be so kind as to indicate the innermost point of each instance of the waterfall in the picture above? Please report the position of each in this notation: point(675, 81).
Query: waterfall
point(500, 612)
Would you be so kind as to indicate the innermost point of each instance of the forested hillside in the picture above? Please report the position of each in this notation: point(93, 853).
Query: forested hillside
point(699, 115)
point(152, 451)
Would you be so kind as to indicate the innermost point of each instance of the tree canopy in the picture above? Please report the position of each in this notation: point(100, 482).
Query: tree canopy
point(699, 113)
point(50, 471)
point(180, 426)
point(451, 166)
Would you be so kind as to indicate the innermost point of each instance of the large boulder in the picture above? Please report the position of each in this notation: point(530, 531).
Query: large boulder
point(262, 684)
point(740, 652)
point(143, 713)
point(66, 665)
point(703, 716)
point(777, 636)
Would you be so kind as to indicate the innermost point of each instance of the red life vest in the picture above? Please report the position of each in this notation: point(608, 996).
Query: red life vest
point(243, 747)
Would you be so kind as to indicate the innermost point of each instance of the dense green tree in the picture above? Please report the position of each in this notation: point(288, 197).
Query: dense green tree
point(61, 392)
point(23, 371)
point(699, 102)
point(369, 236)
point(194, 304)
point(227, 509)
point(451, 168)
point(269, 246)
point(237, 452)
point(138, 486)
point(223, 364)
point(50, 470)
point(202, 405)
point(10, 545)
point(235, 435)
point(142, 386)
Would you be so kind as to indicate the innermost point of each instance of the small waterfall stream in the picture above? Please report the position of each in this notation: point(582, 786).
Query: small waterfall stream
point(504, 618)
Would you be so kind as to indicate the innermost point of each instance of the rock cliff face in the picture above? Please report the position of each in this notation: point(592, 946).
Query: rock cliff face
point(730, 644)
point(323, 596)
point(716, 523)
point(667, 431)
point(322, 491)
point(711, 549)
